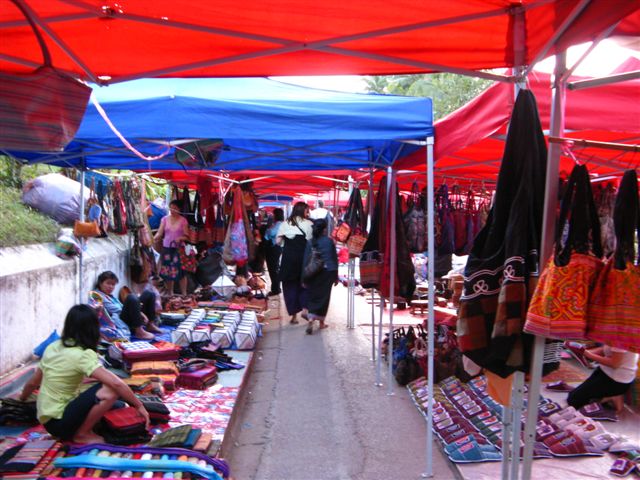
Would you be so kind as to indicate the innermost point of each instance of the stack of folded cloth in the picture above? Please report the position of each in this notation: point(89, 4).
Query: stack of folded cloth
point(166, 371)
point(197, 374)
point(28, 460)
point(158, 411)
point(184, 436)
point(15, 412)
point(124, 426)
point(145, 385)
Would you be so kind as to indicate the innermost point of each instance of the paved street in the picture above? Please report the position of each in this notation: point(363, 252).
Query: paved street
point(313, 411)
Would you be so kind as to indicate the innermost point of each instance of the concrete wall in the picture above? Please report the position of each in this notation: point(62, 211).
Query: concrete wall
point(37, 289)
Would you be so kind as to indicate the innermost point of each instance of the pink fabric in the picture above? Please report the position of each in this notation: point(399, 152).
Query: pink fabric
point(173, 234)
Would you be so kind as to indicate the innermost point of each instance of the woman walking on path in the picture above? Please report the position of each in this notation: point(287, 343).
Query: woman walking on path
point(319, 287)
point(274, 250)
point(293, 235)
point(172, 233)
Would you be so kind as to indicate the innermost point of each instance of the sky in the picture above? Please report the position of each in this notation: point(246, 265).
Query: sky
point(601, 61)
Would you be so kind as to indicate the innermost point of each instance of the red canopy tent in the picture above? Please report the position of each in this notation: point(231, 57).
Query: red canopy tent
point(116, 41)
point(470, 141)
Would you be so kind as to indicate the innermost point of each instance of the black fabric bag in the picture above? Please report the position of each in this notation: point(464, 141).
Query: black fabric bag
point(503, 265)
point(314, 265)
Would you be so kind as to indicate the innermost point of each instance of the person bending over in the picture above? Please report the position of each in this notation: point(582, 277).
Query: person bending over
point(136, 312)
point(612, 378)
point(67, 406)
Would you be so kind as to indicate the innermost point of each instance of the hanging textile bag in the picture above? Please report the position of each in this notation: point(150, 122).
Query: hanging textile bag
point(459, 221)
point(40, 111)
point(119, 212)
point(218, 228)
point(445, 230)
point(370, 269)
point(356, 242)
point(415, 221)
point(614, 304)
point(341, 232)
point(558, 308)
point(188, 258)
point(86, 229)
point(236, 245)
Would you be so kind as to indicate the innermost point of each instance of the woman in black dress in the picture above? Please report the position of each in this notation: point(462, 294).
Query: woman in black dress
point(319, 287)
point(293, 235)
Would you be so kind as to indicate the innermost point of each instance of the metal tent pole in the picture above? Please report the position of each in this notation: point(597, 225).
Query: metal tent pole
point(391, 191)
point(548, 230)
point(507, 417)
point(379, 360)
point(82, 240)
point(517, 396)
point(431, 246)
point(370, 223)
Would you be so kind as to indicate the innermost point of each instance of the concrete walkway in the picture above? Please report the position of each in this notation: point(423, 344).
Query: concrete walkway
point(313, 411)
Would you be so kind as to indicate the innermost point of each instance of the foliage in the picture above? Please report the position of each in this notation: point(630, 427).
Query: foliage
point(20, 224)
point(14, 173)
point(448, 91)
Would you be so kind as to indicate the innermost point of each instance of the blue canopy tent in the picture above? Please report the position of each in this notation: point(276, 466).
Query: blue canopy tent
point(261, 124)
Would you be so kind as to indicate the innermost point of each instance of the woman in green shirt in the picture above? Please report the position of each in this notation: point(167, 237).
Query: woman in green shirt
point(69, 406)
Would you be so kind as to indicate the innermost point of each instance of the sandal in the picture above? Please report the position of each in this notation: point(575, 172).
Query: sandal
point(309, 329)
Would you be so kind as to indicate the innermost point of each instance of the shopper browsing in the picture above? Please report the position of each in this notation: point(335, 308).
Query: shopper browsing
point(172, 233)
point(293, 235)
point(319, 287)
point(68, 407)
point(274, 250)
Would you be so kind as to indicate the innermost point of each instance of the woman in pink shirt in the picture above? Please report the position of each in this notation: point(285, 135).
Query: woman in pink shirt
point(173, 232)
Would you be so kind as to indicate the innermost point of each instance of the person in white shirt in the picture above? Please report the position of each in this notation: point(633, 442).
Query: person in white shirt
point(292, 236)
point(322, 213)
point(613, 377)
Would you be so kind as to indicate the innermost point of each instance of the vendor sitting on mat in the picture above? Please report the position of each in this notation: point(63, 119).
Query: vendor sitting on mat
point(68, 407)
point(136, 312)
point(610, 380)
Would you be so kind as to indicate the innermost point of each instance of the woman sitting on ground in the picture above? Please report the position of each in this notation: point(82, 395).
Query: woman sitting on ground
point(611, 379)
point(68, 407)
point(136, 312)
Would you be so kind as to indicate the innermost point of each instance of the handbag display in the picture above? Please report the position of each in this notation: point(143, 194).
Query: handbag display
point(188, 261)
point(40, 111)
point(356, 242)
point(198, 379)
point(341, 232)
point(370, 268)
point(614, 303)
point(86, 229)
point(558, 307)
point(314, 266)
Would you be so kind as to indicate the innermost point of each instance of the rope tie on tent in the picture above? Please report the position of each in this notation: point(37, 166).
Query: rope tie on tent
point(126, 143)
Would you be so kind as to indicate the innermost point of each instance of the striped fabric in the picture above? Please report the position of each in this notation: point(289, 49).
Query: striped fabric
point(614, 307)
point(40, 111)
point(558, 308)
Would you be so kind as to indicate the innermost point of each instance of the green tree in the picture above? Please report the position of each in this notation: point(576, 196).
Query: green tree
point(448, 91)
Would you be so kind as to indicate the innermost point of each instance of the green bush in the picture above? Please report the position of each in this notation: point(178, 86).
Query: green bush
point(20, 224)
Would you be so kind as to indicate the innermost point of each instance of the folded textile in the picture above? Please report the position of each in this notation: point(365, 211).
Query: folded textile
point(203, 443)
point(123, 418)
point(174, 437)
point(26, 457)
point(15, 412)
point(192, 438)
point(119, 438)
point(154, 367)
